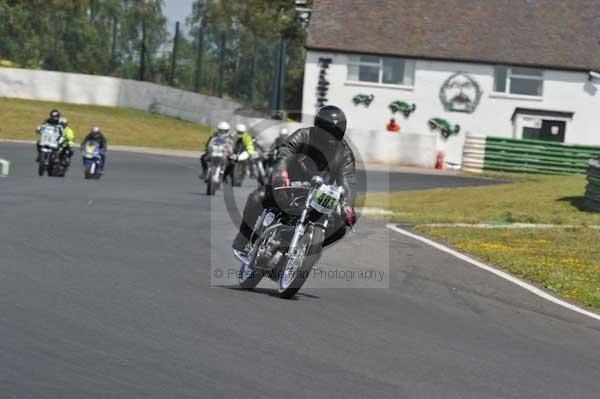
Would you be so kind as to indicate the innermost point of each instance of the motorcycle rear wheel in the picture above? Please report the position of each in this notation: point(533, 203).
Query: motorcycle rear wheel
point(248, 279)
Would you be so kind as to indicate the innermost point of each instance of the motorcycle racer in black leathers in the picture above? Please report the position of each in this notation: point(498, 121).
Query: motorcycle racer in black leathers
point(319, 150)
point(53, 120)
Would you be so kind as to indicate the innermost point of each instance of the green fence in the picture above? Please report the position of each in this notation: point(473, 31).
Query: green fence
point(536, 156)
point(592, 192)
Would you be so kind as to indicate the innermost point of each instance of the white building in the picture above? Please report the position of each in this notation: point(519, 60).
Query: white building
point(520, 71)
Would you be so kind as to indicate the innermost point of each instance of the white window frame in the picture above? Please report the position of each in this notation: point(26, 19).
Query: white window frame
point(379, 83)
point(508, 83)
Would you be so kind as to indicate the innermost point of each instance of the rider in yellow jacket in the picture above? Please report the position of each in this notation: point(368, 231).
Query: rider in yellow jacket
point(69, 135)
point(243, 143)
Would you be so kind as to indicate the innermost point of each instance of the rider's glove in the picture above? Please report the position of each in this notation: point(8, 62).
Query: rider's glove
point(349, 215)
point(233, 157)
point(281, 179)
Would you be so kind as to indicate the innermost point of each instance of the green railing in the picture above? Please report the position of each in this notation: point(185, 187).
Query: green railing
point(592, 191)
point(536, 156)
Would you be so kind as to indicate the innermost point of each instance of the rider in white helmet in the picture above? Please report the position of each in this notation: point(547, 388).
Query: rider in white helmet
point(223, 129)
point(243, 142)
point(274, 149)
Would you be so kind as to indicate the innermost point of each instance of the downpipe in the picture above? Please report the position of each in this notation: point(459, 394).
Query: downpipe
point(241, 257)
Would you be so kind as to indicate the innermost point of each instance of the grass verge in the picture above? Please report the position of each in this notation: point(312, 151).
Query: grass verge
point(122, 126)
point(529, 199)
point(564, 260)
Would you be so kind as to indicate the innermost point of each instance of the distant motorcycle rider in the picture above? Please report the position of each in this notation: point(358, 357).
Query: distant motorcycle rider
point(283, 133)
point(274, 148)
point(69, 136)
point(259, 152)
point(243, 150)
point(54, 121)
point(223, 129)
point(96, 135)
point(243, 144)
point(319, 150)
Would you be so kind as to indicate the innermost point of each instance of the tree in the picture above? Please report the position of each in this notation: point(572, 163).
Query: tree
point(253, 29)
point(128, 38)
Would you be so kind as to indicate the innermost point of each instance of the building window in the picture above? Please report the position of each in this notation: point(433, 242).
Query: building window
point(521, 81)
point(381, 70)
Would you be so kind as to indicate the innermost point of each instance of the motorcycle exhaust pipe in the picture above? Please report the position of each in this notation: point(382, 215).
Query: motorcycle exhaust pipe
point(241, 257)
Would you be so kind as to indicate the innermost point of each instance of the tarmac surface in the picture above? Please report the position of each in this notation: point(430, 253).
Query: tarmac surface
point(121, 288)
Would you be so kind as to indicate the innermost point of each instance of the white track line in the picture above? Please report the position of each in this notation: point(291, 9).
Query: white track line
point(534, 290)
point(508, 225)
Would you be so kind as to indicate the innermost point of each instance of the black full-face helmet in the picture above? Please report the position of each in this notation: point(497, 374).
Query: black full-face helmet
point(54, 116)
point(331, 119)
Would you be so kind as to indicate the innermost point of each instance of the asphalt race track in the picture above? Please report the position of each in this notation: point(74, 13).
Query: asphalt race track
point(108, 290)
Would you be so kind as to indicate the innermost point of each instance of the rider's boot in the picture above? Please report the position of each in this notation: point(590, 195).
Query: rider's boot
point(252, 211)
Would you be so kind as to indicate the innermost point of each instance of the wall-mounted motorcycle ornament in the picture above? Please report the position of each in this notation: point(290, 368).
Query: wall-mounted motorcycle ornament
point(445, 128)
point(403, 107)
point(365, 99)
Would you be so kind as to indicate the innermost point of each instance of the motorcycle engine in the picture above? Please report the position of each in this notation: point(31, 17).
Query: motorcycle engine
point(272, 250)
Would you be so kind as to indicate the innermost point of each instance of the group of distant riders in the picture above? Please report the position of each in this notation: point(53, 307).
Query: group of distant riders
point(55, 146)
point(243, 152)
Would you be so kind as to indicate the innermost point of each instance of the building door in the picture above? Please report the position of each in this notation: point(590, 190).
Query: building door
point(553, 130)
point(539, 124)
point(549, 130)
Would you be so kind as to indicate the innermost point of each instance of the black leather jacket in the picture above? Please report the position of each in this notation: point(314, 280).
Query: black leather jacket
point(309, 152)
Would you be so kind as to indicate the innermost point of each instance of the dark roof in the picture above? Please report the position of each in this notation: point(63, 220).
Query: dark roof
point(557, 34)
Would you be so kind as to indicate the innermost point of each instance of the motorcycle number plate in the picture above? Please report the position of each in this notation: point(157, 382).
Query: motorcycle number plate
point(90, 151)
point(217, 151)
point(326, 199)
point(49, 137)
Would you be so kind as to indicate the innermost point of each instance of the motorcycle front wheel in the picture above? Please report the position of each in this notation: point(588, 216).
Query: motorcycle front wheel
point(260, 175)
point(297, 269)
point(211, 186)
point(239, 172)
point(43, 163)
point(41, 168)
point(89, 172)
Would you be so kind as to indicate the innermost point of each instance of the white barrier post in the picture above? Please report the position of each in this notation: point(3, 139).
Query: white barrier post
point(4, 168)
point(473, 154)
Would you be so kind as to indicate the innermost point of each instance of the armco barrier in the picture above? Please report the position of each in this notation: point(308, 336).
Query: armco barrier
point(113, 92)
point(530, 156)
point(592, 192)
point(4, 167)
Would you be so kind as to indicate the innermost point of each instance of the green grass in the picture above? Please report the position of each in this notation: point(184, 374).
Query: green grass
point(528, 199)
point(565, 261)
point(122, 126)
